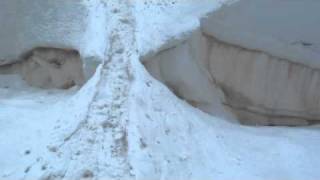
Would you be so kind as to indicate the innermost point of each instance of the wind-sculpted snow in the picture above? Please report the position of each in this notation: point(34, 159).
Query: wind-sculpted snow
point(286, 29)
point(65, 24)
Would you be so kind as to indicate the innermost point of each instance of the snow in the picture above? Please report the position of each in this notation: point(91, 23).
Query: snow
point(96, 33)
point(124, 124)
point(26, 118)
point(184, 143)
point(286, 29)
point(171, 20)
point(82, 25)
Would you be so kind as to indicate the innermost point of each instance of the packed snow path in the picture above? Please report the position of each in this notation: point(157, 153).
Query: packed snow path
point(97, 147)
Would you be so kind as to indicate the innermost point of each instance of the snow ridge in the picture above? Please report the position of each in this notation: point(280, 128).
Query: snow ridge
point(98, 146)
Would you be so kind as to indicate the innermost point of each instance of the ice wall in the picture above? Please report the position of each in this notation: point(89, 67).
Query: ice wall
point(182, 67)
point(259, 88)
point(263, 55)
point(262, 88)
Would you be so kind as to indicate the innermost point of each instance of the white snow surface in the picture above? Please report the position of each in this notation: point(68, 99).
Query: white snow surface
point(288, 29)
point(82, 25)
point(124, 124)
point(161, 23)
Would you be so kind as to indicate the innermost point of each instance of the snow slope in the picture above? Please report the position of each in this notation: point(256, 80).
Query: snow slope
point(124, 124)
point(161, 23)
point(177, 141)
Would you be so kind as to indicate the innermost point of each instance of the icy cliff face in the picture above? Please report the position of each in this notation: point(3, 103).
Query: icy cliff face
point(261, 89)
point(267, 63)
point(264, 89)
point(183, 69)
point(269, 76)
